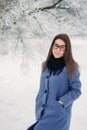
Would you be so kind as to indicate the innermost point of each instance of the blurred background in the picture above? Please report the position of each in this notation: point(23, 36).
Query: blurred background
point(27, 28)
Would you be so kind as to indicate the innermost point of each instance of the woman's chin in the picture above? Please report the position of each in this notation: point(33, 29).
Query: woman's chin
point(57, 56)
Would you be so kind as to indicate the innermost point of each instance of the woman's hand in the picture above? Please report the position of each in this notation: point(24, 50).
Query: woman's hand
point(61, 102)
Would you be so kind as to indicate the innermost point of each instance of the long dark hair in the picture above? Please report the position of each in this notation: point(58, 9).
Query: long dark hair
point(69, 60)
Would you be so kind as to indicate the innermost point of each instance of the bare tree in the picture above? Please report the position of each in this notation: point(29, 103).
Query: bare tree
point(26, 19)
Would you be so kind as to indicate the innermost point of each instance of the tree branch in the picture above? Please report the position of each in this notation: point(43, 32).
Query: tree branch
point(69, 9)
point(51, 6)
point(39, 25)
point(52, 15)
point(45, 8)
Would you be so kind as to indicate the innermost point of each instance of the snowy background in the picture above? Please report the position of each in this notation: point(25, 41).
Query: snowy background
point(27, 28)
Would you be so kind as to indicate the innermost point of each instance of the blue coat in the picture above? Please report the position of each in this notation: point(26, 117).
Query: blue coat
point(52, 88)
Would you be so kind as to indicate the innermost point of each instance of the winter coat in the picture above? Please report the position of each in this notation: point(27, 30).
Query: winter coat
point(52, 88)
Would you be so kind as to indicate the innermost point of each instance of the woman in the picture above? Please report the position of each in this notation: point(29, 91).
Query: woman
point(59, 87)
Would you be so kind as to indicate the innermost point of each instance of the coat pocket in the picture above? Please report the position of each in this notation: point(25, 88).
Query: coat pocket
point(59, 108)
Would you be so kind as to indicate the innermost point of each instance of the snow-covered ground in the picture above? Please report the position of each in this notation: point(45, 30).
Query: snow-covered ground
point(26, 29)
point(19, 86)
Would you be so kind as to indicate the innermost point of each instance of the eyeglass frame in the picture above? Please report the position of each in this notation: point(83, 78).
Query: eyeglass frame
point(59, 47)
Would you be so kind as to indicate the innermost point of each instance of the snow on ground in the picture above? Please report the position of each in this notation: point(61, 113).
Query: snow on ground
point(18, 89)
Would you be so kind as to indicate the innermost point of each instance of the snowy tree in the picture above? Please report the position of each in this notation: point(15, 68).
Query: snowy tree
point(24, 20)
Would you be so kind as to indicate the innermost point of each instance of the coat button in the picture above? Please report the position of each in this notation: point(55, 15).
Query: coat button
point(45, 91)
point(47, 76)
point(43, 105)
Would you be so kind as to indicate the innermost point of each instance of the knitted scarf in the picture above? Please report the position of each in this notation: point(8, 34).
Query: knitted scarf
point(55, 65)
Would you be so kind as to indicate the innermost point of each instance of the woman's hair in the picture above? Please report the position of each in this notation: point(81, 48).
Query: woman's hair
point(68, 57)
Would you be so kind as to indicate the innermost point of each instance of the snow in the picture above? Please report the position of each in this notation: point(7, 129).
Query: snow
point(19, 85)
point(25, 36)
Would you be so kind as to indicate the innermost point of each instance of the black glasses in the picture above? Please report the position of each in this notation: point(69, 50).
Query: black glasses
point(61, 47)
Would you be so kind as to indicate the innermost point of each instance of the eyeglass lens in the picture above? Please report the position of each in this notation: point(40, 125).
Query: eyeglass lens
point(56, 46)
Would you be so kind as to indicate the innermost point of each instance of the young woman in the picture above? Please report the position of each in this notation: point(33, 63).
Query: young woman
point(60, 86)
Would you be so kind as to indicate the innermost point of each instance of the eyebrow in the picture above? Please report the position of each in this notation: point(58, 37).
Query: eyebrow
point(59, 45)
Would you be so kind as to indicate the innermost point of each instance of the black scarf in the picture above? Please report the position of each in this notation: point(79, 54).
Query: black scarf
point(55, 65)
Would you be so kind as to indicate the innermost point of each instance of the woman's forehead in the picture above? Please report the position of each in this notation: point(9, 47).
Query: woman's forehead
point(59, 42)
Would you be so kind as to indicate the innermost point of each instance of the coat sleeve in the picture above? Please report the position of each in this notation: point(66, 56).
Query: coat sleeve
point(74, 91)
point(40, 89)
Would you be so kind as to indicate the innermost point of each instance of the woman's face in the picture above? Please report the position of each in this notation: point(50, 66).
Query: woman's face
point(58, 48)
